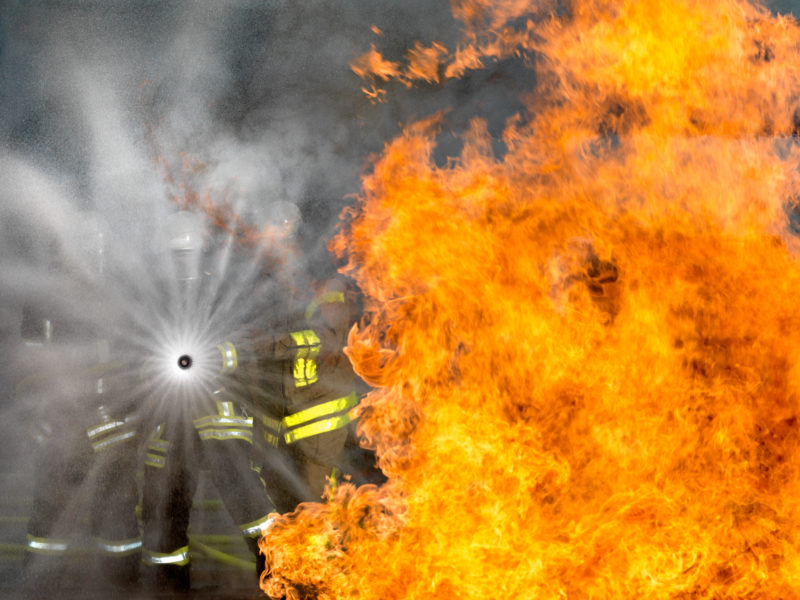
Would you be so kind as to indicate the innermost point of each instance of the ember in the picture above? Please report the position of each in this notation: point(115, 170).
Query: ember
point(585, 352)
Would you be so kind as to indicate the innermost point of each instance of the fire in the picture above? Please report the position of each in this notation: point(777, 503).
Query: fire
point(585, 351)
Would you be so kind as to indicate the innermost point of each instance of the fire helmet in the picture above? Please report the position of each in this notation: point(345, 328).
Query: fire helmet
point(184, 234)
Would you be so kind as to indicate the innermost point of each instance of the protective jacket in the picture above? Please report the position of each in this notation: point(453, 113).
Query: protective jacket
point(316, 394)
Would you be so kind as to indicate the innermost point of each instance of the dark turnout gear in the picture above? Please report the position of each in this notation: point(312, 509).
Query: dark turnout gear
point(212, 433)
point(175, 453)
point(306, 429)
point(85, 437)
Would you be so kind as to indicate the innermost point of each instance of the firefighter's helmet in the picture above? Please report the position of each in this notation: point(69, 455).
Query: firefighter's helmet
point(184, 234)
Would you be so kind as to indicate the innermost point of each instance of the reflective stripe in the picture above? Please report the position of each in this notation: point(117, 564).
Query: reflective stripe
point(326, 298)
point(321, 410)
point(161, 445)
point(95, 431)
point(255, 528)
point(110, 441)
point(156, 443)
point(153, 460)
point(179, 557)
point(319, 427)
point(225, 425)
point(216, 420)
point(306, 339)
point(305, 365)
point(158, 446)
point(229, 359)
point(305, 372)
point(271, 439)
point(270, 423)
point(119, 547)
point(42, 545)
point(226, 434)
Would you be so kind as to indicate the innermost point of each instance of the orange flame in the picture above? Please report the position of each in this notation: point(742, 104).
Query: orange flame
point(585, 351)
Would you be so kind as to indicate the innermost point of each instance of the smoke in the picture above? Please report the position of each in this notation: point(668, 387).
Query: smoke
point(120, 107)
point(121, 110)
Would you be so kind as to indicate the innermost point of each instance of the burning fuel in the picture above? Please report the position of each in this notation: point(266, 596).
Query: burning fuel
point(585, 348)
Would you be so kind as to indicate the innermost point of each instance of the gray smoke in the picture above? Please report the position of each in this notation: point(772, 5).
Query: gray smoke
point(93, 93)
point(250, 101)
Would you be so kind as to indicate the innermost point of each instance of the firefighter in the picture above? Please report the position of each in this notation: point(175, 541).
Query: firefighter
point(313, 396)
point(84, 428)
point(194, 429)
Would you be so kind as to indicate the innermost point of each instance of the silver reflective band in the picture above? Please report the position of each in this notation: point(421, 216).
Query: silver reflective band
point(258, 527)
point(162, 445)
point(154, 461)
point(180, 557)
point(103, 428)
point(41, 544)
point(119, 548)
point(113, 440)
point(205, 421)
point(226, 434)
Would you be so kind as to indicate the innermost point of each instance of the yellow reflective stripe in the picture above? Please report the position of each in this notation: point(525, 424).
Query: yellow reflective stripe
point(205, 430)
point(230, 359)
point(326, 298)
point(213, 420)
point(255, 528)
point(41, 545)
point(272, 440)
point(156, 441)
point(319, 427)
point(111, 440)
point(270, 423)
point(158, 445)
point(226, 415)
point(226, 434)
point(153, 460)
point(305, 372)
point(307, 337)
point(321, 410)
point(305, 367)
point(95, 431)
point(225, 425)
point(178, 557)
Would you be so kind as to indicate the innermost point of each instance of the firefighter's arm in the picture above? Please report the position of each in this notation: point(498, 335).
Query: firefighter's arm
point(277, 347)
point(335, 310)
point(261, 347)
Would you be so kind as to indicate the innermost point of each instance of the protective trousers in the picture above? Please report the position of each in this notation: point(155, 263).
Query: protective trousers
point(318, 402)
point(176, 451)
point(100, 461)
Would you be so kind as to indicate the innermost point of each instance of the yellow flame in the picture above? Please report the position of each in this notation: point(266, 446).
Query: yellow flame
point(585, 351)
